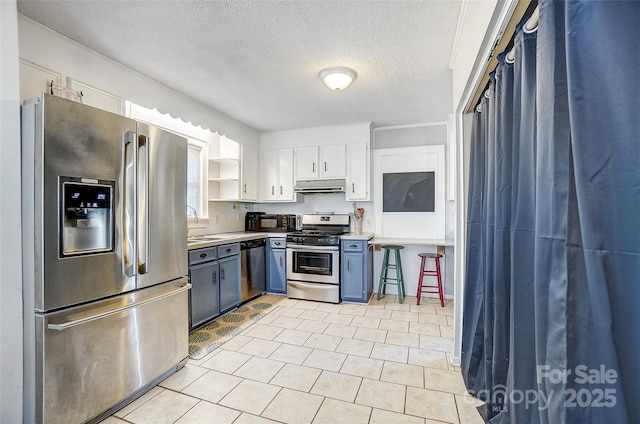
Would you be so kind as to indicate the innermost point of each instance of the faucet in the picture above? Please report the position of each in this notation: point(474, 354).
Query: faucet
point(195, 213)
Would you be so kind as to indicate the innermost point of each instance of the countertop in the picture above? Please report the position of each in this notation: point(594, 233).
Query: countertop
point(226, 238)
point(412, 241)
point(235, 237)
point(355, 236)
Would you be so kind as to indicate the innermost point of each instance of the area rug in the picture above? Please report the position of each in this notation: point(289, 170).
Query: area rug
point(205, 340)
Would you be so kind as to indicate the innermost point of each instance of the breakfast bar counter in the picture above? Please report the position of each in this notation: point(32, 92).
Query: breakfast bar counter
point(411, 241)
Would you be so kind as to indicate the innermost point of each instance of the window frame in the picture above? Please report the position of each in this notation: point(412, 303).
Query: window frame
point(201, 207)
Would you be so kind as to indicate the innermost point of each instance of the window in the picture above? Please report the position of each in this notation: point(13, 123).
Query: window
point(195, 178)
point(198, 139)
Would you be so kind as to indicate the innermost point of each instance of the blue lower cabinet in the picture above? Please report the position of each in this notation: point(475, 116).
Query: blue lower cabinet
point(277, 265)
point(229, 277)
point(356, 276)
point(214, 274)
point(204, 296)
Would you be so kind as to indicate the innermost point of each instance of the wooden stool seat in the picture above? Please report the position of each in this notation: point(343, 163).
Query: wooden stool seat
point(422, 288)
point(396, 266)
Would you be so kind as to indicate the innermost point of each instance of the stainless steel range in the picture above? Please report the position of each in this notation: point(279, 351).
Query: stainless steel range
point(313, 258)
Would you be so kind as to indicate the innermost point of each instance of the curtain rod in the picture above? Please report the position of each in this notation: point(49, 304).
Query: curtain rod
point(530, 26)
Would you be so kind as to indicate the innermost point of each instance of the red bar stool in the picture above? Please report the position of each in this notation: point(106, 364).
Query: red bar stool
point(430, 273)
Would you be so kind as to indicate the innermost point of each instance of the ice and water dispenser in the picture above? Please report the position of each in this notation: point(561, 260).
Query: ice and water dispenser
point(86, 212)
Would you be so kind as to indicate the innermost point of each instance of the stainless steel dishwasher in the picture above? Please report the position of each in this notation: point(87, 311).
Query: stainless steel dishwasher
point(253, 270)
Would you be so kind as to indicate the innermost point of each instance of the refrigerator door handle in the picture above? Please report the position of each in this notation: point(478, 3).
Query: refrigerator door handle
point(143, 204)
point(61, 326)
point(129, 205)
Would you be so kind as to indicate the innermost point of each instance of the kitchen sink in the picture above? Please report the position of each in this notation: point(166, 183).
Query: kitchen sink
point(196, 239)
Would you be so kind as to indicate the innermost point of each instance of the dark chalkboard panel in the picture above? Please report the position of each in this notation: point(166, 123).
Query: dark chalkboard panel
point(408, 192)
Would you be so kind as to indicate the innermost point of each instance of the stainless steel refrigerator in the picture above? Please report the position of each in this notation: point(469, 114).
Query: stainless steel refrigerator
point(105, 259)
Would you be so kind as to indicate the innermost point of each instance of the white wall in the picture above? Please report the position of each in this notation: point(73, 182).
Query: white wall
point(11, 382)
point(473, 23)
point(479, 27)
point(332, 134)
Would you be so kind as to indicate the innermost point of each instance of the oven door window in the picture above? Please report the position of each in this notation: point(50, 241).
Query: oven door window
point(318, 263)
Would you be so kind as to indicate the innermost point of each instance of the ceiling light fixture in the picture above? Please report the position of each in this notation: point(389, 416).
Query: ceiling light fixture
point(338, 78)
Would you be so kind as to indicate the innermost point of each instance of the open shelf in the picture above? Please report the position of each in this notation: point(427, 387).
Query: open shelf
point(224, 170)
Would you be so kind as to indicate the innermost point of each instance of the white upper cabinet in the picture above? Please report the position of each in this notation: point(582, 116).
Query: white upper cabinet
point(249, 183)
point(321, 162)
point(333, 161)
point(307, 163)
point(358, 175)
point(277, 175)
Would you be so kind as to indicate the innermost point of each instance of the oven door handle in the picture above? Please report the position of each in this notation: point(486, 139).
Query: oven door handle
point(311, 248)
point(312, 268)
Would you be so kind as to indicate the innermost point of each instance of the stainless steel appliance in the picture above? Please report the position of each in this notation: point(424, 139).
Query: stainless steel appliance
point(105, 259)
point(276, 223)
point(251, 221)
point(313, 258)
point(253, 281)
point(320, 186)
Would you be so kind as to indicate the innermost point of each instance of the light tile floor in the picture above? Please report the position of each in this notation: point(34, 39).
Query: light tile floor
point(315, 363)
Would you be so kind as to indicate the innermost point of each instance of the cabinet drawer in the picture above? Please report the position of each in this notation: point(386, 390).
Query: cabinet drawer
point(228, 250)
point(277, 242)
point(197, 256)
point(354, 245)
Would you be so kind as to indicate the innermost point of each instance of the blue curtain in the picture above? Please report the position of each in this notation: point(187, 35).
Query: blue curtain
point(551, 330)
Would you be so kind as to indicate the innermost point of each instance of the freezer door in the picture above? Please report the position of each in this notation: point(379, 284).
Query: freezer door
point(68, 142)
point(92, 357)
point(162, 206)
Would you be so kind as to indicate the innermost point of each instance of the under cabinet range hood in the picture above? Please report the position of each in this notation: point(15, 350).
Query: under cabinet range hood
point(320, 186)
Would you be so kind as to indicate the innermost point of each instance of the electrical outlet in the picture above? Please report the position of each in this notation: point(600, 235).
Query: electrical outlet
point(367, 222)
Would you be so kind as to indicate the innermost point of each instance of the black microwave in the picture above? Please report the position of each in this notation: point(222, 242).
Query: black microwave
point(277, 223)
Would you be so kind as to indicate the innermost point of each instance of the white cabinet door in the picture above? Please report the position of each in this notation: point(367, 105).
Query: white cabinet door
point(277, 175)
point(358, 180)
point(332, 161)
point(270, 174)
point(286, 174)
point(322, 162)
point(307, 163)
point(249, 187)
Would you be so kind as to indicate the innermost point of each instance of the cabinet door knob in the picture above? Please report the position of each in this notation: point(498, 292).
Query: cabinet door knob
point(353, 187)
point(325, 167)
point(273, 190)
point(203, 255)
point(228, 250)
point(281, 264)
point(353, 246)
point(280, 189)
point(245, 189)
point(313, 167)
point(348, 265)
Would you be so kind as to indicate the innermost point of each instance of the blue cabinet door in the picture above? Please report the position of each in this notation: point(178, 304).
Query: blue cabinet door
point(353, 277)
point(204, 299)
point(277, 271)
point(229, 276)
point(356, 273)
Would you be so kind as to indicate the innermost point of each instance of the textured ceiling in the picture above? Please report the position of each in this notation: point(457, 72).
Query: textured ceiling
point(258, 61)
